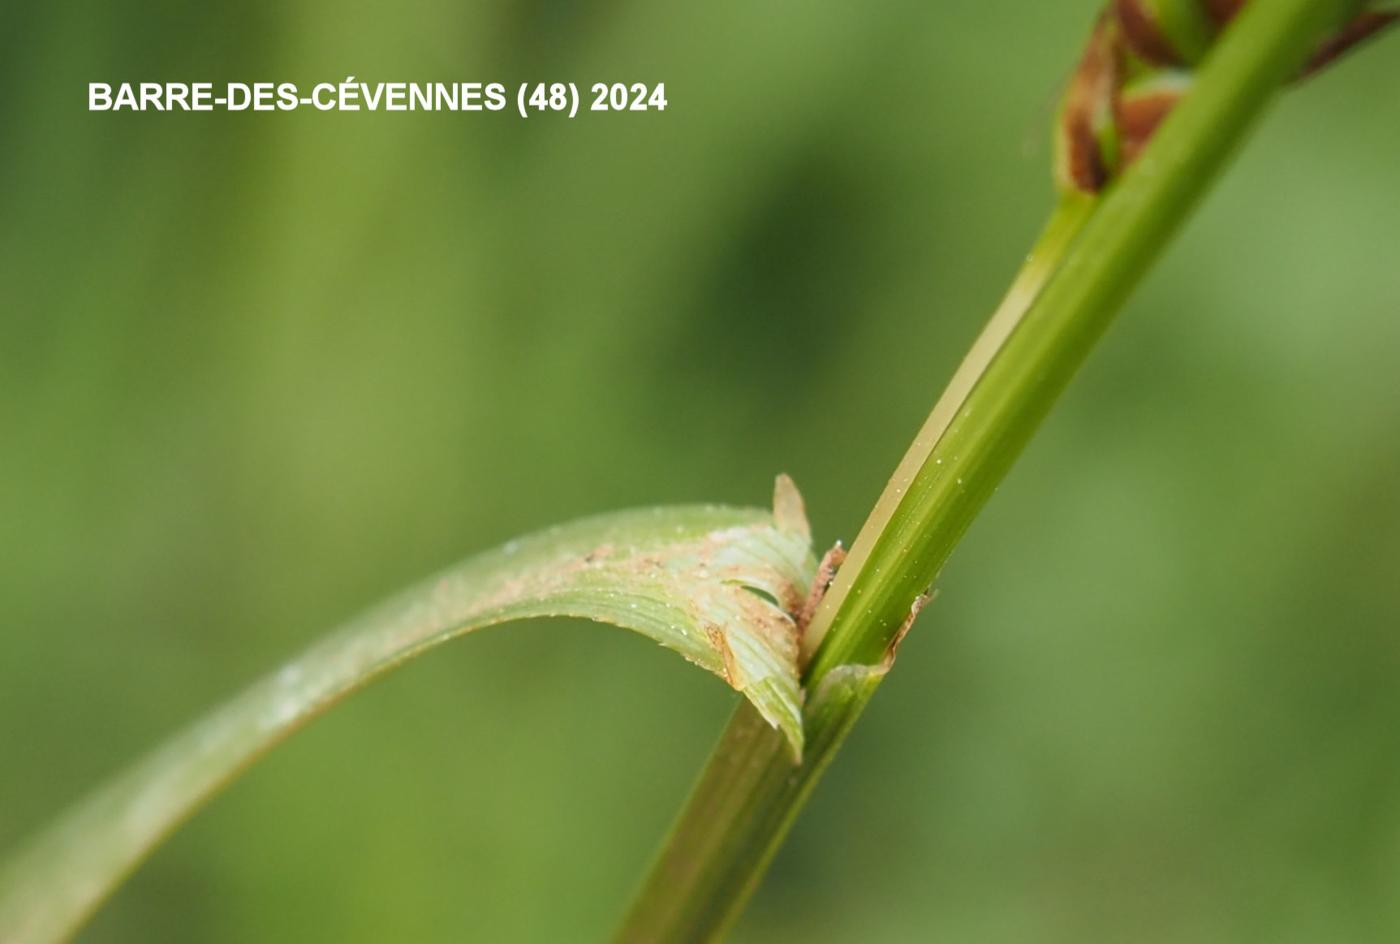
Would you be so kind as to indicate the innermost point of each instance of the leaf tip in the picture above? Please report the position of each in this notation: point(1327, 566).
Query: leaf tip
point(789, 510)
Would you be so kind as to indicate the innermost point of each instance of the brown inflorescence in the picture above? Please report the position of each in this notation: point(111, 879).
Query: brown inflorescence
point(1105, 123)
point(1087, 107)
point(1138, 116)
point(1143, 34)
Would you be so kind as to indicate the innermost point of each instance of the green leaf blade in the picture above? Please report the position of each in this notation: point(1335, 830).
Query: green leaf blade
point(715, 584)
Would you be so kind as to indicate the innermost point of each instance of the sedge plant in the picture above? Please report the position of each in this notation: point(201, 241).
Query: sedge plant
point(1164, 93)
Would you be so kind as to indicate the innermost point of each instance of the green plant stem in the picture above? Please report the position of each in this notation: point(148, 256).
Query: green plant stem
point(744, 801)
point(749, 794)
point(1045, 257)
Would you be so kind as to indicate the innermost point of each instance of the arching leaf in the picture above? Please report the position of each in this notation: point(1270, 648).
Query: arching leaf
point(716, 584)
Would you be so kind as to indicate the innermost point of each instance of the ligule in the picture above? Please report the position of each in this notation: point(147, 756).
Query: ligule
point(1137, 64)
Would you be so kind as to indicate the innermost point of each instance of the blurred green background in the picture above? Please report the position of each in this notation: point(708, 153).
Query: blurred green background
point(258, 371)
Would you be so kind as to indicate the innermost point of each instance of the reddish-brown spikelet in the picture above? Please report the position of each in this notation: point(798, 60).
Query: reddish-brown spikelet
point(1357, 31)
point(1143, 34)
point(1089, 96)
point(1223, 11)
point(1138, 115)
